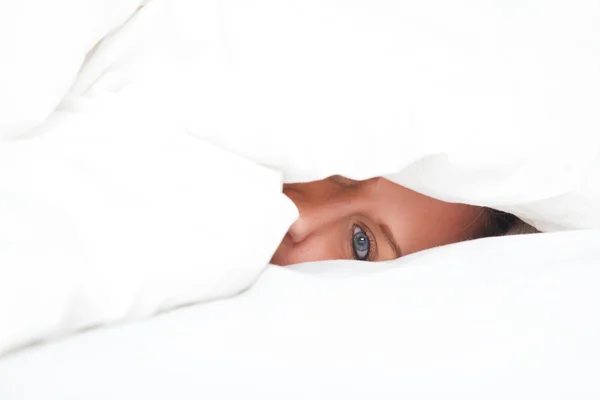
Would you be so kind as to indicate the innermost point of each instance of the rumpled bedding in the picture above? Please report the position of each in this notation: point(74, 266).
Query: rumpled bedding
point(44, 44)
point(107, 217)
point(510, 317)
point(144, 148)
point(478, 102)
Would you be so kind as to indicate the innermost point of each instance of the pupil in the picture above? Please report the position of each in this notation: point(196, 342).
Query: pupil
point(361, 241)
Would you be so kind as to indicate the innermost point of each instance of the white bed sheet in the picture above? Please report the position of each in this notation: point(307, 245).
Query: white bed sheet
point(498, 318)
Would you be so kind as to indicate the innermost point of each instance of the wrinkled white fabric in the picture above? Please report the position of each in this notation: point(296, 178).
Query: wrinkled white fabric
point(500, 318)
point(479, 102)
point(108, 218)
point(42, 46)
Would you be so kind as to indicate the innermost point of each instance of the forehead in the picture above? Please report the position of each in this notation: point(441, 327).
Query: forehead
point(418, 221)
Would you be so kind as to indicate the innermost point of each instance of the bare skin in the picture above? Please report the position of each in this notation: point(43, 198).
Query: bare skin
point(372, 220)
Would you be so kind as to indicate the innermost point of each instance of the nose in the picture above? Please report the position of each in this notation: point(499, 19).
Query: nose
point(318, 210)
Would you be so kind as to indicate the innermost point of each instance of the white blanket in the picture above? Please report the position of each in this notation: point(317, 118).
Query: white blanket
point(43, 44)
point(108, 211)
point(111, 211)
point(501, 318)
point(106, 218)
point(477, 102)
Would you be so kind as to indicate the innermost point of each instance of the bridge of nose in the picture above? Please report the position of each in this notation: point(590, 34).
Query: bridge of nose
point(321, 213)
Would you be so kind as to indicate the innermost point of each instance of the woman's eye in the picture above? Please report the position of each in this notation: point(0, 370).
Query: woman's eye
point(360, 244)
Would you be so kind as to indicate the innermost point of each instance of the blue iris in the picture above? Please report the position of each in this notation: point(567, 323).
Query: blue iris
point(361, 243)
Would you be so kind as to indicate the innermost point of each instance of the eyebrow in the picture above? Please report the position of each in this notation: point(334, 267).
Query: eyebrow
point(390, 238)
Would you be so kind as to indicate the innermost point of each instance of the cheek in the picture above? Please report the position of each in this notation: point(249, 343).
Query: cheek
point(313, 248)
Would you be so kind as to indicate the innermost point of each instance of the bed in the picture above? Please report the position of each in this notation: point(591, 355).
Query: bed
point(125, 159)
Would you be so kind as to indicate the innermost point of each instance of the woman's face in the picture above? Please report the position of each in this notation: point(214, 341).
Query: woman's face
point(371, 220)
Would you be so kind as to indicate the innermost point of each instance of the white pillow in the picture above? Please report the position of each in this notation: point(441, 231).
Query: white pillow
point(478, 102)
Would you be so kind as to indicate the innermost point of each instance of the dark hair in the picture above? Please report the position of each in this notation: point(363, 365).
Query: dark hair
point(500, 223)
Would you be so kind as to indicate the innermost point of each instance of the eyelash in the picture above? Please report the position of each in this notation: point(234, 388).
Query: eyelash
point(372, 242)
